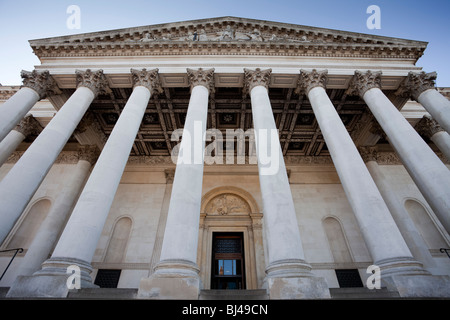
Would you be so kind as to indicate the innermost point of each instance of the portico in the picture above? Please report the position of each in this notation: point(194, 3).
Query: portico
point(303, 110)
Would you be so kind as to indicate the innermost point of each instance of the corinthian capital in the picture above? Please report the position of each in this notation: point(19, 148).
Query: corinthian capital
point(40, 81)
point(201, 77)
point(428, 126)
point(258, 77)
point(416, 83)
point(88, 153)
point(309, 80)
point(148, 79)
point(28, 125)
point(94, 80)
point(363, 81)
point(368, 153)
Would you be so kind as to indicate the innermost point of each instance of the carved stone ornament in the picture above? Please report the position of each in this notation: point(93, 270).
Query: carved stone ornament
point(40, 81)
point(227, 203)
point(28, 125)
point(428, 126)
point(309, 80)
point(201, 77)
point(416, 83)
point(363, 81)
point(368, 153)
point(94, 80)
point(258, 77)
point(89, 153)
point(170, 175)
point(148, 79)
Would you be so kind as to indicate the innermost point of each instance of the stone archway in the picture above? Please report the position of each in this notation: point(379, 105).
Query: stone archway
point(231, 209)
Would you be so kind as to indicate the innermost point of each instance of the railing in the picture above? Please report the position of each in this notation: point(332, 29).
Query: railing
point(18, 250)
point(445, 250)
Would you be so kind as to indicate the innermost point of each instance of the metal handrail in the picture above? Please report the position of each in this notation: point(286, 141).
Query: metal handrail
point(15, 253)
point(445, 250)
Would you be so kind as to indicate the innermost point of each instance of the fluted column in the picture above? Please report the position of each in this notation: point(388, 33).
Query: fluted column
point(288, 274)
point(178, 261)
point(22, 181)
point(409, 231)
point(10, 143)
point(431, 176)
point(50, 229)
point(36, 86)
point(383, 239)
point(429, 127)
point(421, 87)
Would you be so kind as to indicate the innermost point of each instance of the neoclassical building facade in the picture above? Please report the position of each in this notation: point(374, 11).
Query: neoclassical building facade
point(182, 160)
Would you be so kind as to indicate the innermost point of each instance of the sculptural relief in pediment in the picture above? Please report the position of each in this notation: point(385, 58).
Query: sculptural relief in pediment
point(228, 34)
point(227, 203)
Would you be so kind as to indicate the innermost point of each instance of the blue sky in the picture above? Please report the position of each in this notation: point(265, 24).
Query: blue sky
point(23, 20)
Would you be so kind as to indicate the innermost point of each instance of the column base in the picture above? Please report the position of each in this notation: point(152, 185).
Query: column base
point(418, 286)
point(52, 280)
point(400, 266)
point(293, 279)
point(172, 279)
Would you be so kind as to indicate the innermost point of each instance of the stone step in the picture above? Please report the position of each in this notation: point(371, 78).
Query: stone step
point(362, 293)
point(259, 294)
point(103, 293)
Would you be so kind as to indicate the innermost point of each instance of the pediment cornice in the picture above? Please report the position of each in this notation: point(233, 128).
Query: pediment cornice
point(227, 35)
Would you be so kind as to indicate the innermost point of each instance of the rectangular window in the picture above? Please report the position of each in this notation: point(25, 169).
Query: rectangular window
point(107, 278)
point(348, 278)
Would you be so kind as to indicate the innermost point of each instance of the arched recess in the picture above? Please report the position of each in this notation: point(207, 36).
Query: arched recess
point(231, 209)
point(30, 224)
point(337, 241)
point(118, 242)
point(425, 224)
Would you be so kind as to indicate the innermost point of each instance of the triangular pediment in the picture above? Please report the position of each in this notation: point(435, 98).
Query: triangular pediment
point(228, 34)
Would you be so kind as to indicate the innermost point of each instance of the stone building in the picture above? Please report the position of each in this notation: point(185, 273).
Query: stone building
point(325, 165)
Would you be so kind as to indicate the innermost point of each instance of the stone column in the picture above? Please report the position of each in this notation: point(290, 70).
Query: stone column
point(176, 276)
point(10, 143)
point(36, 86)
point(385, 242)
point(421, 87)
point(22, 181)
point(431, 176)
point(429, 127)
point(78, 241)
point(413, 238)
point(288, 276)
point(156, 254)
point(51, 228)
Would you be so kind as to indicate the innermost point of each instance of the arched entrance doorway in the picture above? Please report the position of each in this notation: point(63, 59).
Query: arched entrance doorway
point(230, 236)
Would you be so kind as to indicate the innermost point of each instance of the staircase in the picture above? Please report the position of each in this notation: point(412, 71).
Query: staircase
point(233, 295)
point(362, 294)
